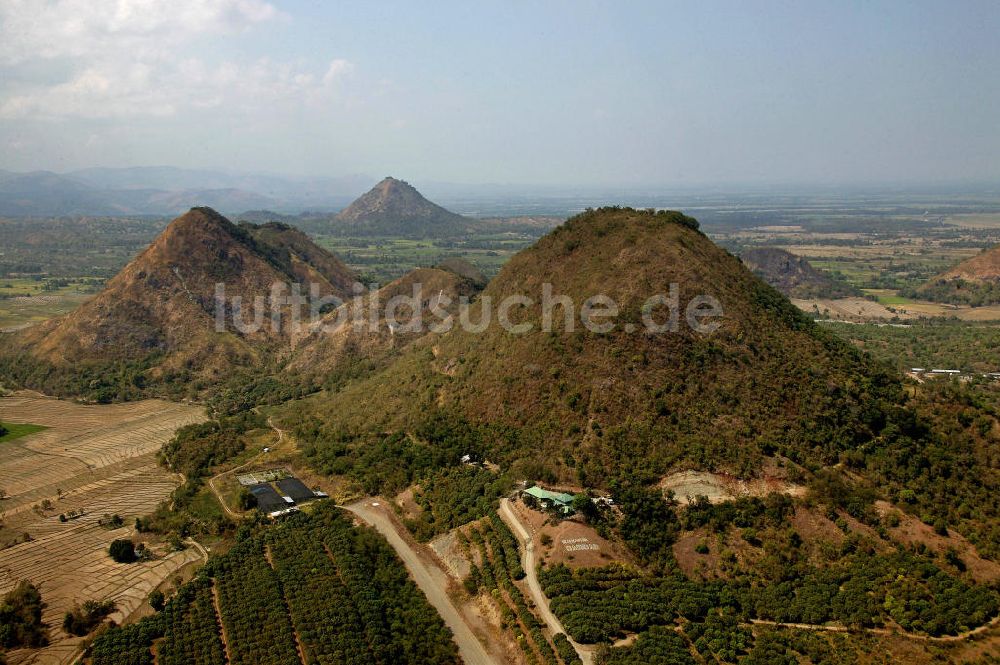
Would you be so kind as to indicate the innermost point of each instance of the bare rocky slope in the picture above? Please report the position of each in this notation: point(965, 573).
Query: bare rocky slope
point(156, 319)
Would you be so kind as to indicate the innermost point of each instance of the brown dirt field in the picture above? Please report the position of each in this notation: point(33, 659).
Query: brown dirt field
point(849, 309)
point(573, 542)
point(409, 509)
point(449, 552)
point(693, 564)
point(103, 460)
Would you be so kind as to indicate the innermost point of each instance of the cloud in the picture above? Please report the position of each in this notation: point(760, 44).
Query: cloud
point(115, 90)
point(33, 29)
point(120, 58)
point(337, 69)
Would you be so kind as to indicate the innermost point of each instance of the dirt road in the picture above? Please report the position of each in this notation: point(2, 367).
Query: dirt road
point(211, 481)
point(508, 515)
point(471, 650)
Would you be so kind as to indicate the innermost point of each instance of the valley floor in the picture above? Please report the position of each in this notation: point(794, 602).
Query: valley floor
point(92, 461)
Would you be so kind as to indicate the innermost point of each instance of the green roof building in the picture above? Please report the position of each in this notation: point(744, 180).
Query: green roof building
point(546, 498)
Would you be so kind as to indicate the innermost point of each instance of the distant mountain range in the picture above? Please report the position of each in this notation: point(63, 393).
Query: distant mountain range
point(162, 190)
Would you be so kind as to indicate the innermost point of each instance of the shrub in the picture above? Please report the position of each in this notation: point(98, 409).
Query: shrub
point(122, 550)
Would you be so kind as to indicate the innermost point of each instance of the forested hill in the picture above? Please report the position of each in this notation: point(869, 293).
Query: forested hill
point(975, 282)
point(594, 406)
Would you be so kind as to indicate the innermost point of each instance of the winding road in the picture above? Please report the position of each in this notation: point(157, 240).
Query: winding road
point(211, 481)
point(508, 515)
point(469, 646)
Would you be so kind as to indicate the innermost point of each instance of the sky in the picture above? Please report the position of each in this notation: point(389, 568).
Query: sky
point(550, 92)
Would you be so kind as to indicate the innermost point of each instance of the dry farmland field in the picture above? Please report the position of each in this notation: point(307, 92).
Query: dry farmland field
point(94, 460)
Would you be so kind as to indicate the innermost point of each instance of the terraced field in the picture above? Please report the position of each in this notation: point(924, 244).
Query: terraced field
point(92, 460)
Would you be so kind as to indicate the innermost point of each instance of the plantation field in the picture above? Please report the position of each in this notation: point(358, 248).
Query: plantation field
point(314, 589)
point(89, 462)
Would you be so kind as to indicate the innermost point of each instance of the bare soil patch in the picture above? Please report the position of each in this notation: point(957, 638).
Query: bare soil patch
point(569, 541)
point(717, 487)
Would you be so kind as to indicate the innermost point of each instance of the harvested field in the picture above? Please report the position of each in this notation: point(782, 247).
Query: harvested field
point(862, 309)
point(92, 460)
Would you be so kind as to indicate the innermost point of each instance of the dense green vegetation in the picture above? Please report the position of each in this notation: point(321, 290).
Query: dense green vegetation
point(101, 382)
point(389, 463)
point(194, 451)
point(455, 496)
point(860, 588)
point(84, 618)
point(340, 587)
point(191, 628)
point(122, 550)
point(21, 618)
point(253, 609)
point(657, 646)
point(939, 461)
point(971, 347)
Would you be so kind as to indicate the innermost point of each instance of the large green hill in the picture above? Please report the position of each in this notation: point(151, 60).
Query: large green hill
point(591, 406)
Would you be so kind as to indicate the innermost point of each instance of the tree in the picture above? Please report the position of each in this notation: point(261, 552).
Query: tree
point(3, 430)
point(21, 618)
point(584, 505)
point(247, 500)
point(122, 550)
point(156, 600)
point(83, 618)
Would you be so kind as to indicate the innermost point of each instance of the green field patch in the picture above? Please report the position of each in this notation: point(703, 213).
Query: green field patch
point(888, 297)
point(17, 430)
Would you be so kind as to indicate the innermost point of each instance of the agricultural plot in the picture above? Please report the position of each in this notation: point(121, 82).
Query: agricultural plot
point(91, 461)
point(24, 302)
point(314, 589)
point(492, 551)
point(80, 441)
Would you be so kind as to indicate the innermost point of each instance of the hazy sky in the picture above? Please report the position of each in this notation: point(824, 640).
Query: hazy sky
point(661, 93)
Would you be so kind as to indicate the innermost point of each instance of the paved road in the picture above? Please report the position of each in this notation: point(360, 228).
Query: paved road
point(471, 650)
point(508, 515)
